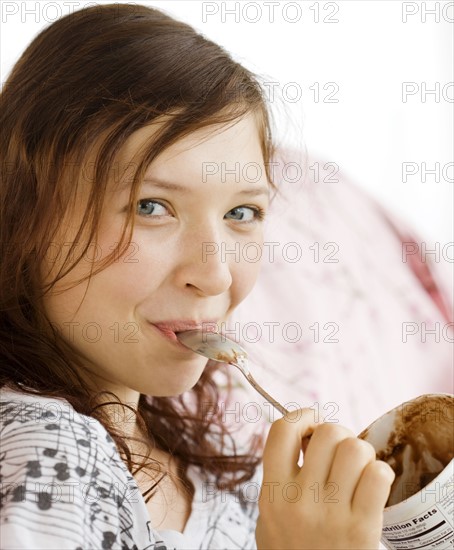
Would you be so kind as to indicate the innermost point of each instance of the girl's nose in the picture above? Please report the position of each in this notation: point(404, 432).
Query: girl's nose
point(205, 264)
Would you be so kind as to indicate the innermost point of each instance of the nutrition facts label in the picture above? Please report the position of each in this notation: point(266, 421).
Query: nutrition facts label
point(431, 528)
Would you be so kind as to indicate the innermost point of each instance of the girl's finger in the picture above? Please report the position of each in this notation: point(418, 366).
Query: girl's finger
point(351, 457)
point(373, 489)
point(320, 452)
point(284, 443)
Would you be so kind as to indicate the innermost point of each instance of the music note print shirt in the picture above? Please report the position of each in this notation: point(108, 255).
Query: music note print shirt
point(63, 485)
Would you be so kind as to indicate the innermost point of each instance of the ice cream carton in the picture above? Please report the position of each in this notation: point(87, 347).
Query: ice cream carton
point(417, 440)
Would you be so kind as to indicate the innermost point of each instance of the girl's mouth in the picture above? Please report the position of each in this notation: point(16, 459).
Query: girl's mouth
point(170, 336)
point(169, 330)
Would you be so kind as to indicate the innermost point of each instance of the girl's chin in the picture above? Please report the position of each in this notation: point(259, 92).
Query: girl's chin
point(176, 383)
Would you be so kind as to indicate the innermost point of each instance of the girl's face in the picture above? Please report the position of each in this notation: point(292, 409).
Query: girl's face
point(197, 210)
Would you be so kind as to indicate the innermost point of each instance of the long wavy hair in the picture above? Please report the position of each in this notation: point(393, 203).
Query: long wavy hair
point(84, 84)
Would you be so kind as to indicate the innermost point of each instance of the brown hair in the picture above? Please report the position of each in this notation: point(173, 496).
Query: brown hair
point(86, 83)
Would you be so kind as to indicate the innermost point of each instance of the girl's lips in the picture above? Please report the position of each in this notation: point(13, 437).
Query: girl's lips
point(170, 336)
point(209, 325)
point(167, 332)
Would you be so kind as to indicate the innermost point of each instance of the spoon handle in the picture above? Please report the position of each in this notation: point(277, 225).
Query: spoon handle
point(263, 393)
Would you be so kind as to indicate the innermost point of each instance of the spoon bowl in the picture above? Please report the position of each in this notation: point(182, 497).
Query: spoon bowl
point(212, 345)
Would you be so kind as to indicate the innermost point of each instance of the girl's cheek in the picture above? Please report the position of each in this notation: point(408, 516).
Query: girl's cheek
point(248, 272)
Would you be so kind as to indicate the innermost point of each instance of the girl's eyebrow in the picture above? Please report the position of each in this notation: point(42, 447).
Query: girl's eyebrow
point(252, 192)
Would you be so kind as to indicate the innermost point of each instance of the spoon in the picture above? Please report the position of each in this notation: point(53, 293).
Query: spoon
point(216, 346)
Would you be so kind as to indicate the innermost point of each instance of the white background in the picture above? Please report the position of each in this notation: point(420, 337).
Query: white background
point(368, 54)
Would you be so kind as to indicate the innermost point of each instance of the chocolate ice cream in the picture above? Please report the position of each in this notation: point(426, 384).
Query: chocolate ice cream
point(420, 444)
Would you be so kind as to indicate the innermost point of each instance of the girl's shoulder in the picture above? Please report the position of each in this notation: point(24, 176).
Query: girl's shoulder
point(19, 408)
point(62, 481)
point(30, 421)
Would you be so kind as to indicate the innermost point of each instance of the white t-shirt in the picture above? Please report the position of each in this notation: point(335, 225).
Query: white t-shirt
point(63, 485)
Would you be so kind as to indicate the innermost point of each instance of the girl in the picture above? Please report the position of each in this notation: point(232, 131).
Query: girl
point(116, 123)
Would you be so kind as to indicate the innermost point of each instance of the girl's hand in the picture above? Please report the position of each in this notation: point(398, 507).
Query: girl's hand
point(334, 501)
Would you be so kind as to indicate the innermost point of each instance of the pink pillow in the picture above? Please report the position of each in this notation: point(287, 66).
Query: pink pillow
point(351, 335)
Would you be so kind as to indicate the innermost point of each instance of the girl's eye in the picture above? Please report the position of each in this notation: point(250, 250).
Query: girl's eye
point(247, 214)
point(244, 214)
point(148, 207)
